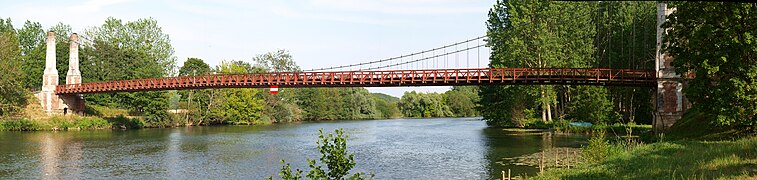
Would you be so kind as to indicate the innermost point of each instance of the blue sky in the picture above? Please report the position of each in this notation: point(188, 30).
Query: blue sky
point(318, 33)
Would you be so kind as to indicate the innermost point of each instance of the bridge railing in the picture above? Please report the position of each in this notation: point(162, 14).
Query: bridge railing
point(431, 77)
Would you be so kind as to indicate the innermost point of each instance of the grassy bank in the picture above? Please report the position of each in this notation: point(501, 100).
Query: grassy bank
point(33, 118)
point(692, 149)
point(69, 123)
point(684, 159)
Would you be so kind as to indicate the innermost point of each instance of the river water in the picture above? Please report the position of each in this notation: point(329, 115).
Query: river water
point(446, 148)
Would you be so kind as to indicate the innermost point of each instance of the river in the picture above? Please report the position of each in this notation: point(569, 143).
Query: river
point(444, 148)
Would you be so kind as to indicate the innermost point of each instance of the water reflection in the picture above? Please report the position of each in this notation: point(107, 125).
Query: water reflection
point(393, 149)
point(503, 143)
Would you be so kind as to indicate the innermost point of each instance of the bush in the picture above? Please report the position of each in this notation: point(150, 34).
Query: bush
point(20, 125)
point(124, 122)
point(334, 155)
point(92, 123)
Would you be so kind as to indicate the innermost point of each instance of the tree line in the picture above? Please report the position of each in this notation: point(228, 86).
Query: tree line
point(712, 43)
point(552, 34)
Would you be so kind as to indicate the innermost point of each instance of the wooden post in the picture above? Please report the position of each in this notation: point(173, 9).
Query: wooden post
point(575, 157)
point(503, 175)
point(508, 174)
point(567, 158)
point(556, 153)
point(541, 163)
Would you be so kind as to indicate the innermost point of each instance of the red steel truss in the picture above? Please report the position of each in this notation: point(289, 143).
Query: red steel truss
point(386, 78)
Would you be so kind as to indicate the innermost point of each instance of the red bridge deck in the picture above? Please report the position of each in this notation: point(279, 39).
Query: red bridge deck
point(388, 78)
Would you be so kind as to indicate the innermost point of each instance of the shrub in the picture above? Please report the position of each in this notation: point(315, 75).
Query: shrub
point(124, 122)
point(597, 150)
point(334, 155)
point(20, 125)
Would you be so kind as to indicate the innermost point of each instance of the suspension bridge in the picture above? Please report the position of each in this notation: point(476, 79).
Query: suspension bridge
point(456, 64)
point(449, 65)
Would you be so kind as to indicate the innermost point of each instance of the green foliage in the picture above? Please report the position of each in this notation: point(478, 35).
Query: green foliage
point(337, 103)
point(413, 104)
point(143, 35)
point(279, 61)
point(597, 150)
point(149, 54)
point(462, 101)
point(591, 104)
point(504, 106)
point(59, 123)
point(77, 122)
point(386, 105)
point(238, 106)
point(32, 42)
point(716, 42)
point(12, 93)
point(626, 38)
point(20, 125)
point(123, 122)
point(544, 34)
point(197, 101)
point(670, 160)
point(334, 155)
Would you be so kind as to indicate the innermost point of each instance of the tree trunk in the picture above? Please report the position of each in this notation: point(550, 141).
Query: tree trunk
point(543, 107)
point(189, 105)
point(549, 111)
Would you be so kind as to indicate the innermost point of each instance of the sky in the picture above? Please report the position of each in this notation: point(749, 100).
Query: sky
point(317, 33)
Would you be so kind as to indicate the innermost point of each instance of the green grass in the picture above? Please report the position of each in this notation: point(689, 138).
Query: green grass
point(695, 125)
point(672, 160)
point(19, 125)
point(70, 123)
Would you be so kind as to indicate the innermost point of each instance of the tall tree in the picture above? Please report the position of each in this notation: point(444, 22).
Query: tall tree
point(196, 100)
point(237, 105)
point(144, 35)
point(279, 61)
point(716, 42)
point(462, 101)
point(12, 93)
point(131, 50)
point(32, 40)
point(538, 34)
point(283, 106)
point(626, 39)
point(413, 104)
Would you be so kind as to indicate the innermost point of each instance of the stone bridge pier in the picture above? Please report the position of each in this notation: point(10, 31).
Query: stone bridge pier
point(670, 102)
point(51, 102)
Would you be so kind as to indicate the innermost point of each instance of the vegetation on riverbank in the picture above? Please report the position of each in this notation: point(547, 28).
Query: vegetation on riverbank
point(692, 149)
point(559, 34)
point(683, 159)
point(57, 123)
point(564, 126)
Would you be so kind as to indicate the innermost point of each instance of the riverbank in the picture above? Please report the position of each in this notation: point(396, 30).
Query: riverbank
point(564, 126)
point(58, 123)
point(684, 159)
point(692, 149)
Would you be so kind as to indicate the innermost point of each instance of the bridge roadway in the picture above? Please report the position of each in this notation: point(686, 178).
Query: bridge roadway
point(383, 78)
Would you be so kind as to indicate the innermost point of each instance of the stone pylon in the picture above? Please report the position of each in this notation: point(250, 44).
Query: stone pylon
point(51, 102)
point(670, 102)
point(47, 96)
point(73, 76)
point(73, 103)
